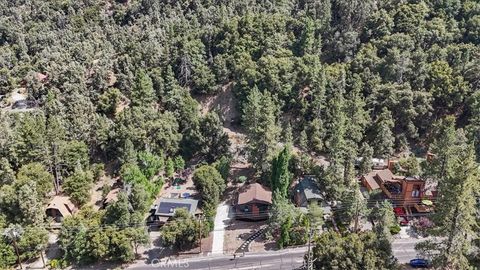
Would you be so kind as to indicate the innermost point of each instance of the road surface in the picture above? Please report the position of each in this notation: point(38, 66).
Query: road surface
point(274, 260)
point(403, 249)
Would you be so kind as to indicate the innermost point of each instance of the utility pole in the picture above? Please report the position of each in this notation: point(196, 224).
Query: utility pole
point(309, 252)
point(200, 232)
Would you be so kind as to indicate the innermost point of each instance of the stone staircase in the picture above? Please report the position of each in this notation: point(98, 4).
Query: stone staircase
point(246, 245)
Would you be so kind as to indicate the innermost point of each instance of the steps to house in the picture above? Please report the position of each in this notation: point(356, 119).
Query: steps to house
point(246, 245)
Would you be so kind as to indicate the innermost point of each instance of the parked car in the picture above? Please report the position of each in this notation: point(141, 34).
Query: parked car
point(421, 263)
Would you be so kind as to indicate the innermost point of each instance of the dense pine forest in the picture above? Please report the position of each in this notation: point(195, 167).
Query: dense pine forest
point(118, 86)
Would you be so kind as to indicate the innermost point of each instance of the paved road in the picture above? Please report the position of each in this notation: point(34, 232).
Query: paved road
point(403, 249)
point(275, 260)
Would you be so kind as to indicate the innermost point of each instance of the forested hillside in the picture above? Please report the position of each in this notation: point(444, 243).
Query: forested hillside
point(117, 82)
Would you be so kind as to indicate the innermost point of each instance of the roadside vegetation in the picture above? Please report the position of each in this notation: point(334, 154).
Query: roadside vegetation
point(116, 86)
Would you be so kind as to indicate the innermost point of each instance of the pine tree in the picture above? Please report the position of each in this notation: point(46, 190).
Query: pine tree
point(443, 147)
point(143, 93)
point(303, 140)
point(288, 134)
point(350, 153)
point(128, 155)
point(456, 212)
point(384, 220)
point(260, 119)
point(357, 117)
point(118, 213)
point(354, 206)
point(169, 167)
point(366, 155)
point(337, 126)
point(317, 135)
point(384, 139)
point(281, 177)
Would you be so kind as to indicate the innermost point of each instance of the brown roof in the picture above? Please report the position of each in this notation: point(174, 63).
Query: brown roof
point(254, 192)
point(63, 205)
point(369, 178)
point(385, 175)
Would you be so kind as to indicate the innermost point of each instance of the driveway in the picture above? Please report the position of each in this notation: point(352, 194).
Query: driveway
point(221, 221)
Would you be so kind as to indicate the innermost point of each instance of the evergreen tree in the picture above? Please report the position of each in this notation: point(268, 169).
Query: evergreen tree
point(213, 140)
point(281, 177)
point(356, 115)
point(315, 216)
point(7, 175)
point(354, 207)
point(443, 147)
point(36, 173)
point(139, 198)
point(455, 212)
point(303, 140)
point(288, 134)
point(366, 163)
point(383, 138)
point(384, 220)
point(337, 126)
point(182, 231)
point(260, 119)
point(352, 251)
point(316, 135)
point(169, 168)
point(349, 164)
point(143, 93)
point(285, 233)
point(78, 185)
point(118, 213)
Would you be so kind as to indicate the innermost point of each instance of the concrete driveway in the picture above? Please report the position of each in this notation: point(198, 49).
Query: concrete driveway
point(221, 221)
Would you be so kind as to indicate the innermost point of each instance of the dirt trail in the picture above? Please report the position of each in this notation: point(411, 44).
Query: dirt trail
point(224, 103)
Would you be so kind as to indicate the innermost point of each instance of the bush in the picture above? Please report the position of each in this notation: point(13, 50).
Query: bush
point(223, 166)
point(57, 264)
point(395, 229)
point(98, 170)
point(179, 163)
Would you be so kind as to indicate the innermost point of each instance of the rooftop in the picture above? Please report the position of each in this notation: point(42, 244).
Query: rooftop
point(166, 206)
point(309, 186)
point(254, 192)
point(63, 205)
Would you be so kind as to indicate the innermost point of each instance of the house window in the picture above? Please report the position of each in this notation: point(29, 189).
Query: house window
point(416, 191)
